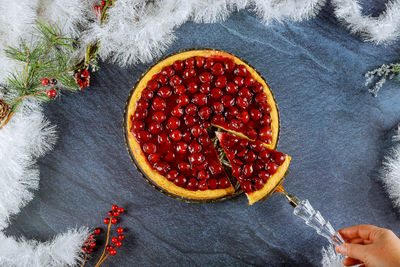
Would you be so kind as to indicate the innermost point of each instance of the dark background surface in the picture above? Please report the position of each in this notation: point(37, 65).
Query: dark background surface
point(331, 126)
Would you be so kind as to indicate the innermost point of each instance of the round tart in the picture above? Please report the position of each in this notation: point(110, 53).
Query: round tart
point(177, 101)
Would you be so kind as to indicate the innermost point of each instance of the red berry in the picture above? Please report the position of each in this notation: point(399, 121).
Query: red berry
point(118, 244)
point(183, 166)
point(171, 175)
point(149, 148)
point(181, 148)
point(168, 71)
point(194, 147)
point(183, 100)
point(278, 157)
point(229, 65)
point(159, 116)
point(51, 93)
point(114, 220)
point(263, 155)
point(176, 135)
point(153, 85)
point(272, 167)
point(110, 213)
point(221, 82)
point(204, 140)
point(138, 125)
point(189, 120)
point(209, 63)
point(121, 210)
point(200, 61)
point(231, 88)
point(116, 214)
point(251, 133)
point(205, 77)
point(114, 207)
point(163, 138)
point(140, 114)
point(147, 94)
point(260, 98)
point(97, 231)
point(153, 158)
point(266, 120)
point(215, 168)
point(175, 80)
point(196, 131)
point(218, 118)
point(93, 244)
point(203, 185)
point(236, 170)
point(155, 127)
point(162, 79)
point(235, 124)
point(192, 184)
point(109, 248)
point(162, 167)
point(245, 93)
point(228, 101)
point(255, 114)
point(247, 187)
point(177, 111)
point(239, 81)
point(223, 182)
point(90, 237)
point(216, 93)
point(203, 175)
point(121, 237)
point(244, 116)
point(250, 156)
point(249, 80)
point(196, 158)
point(257, 87)
point(164, 92)
point(142, 104)
point(106, 220)
point(113, 252)
point(191, 109)
point(265, 133)
point(189, 62)
point(264, 175)
point(189, 73)
point(205, 113)
point(212, 183)
point(143, 136)
point(45, 81)
point(192, 87)
point(218, 107)
point(180, 181)
point(205, 88)
point(240, 70)
point(173, 123)
point(199, 99)
point(248, 170)
point(242, 102)
point(178, 65)
point(159, 103)
point(233, 112)
point(217, 69)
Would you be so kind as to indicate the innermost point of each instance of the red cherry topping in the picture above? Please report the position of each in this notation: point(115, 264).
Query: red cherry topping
point(205, 77)
point(244, 116)
point(154, 158)
point(170, 157)
point(200, 61)
point(251, 133)
point(138, 125)
point(249, 80)
point(278, 157)
point(171, 175)
point(177, 111)
point(218, 118)
point(162, 138)
point(192, 87)
point(212, 183)
point(110, 213)
point(215, 168)
point(181, 148)
point(260, 98)
point(155, 127)
point(228, 101)
point(189, 120)
point(203, 185)
point(176, 135)
point(231, 88)
point(203, 175)
point(168, 71)
point(159, 103)
point(143, 136)
point(245, 93)
point(189, 63)
point(194, 147)
point(258, 183)
point(255, 114)
point(173, 123)
point(229, 65)
point(180, 181)
point(235, 124)
point(218, 107)
point(143, 104)
point(236, 170)
point(180, 89)
point(272, 168)
point(217, 69)
point(183, 166)
point(247, 187)
point(263, 155)
point(175, 80)
point(239, 81)
point(209, 63)
point(223, 182)
point(200, 99)
point(221, 82)
point(178, 65)
point(242, 102)
point(140, 114)
point(162, 79)
point(205, 88)
point(147, 94)
point(257, 87)
point(164, 92)
point(183, 100)
point(149, 148)
point(159, 116)
point(233, 112)
point(264, 175)
point(265, 133)
point(248, 170)
point(186, 136)
point(196, 131)
point(266, 120)
point(189, 73)
point(205, 112)
point(257, 146)
point(196, 158)
point(240, 70)
point(191, 109)
point(216, 93)
point(162, 167)
point(250, 156)
point(192, 184)
point(204, 140)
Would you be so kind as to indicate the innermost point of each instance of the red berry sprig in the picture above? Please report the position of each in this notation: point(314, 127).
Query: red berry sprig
point(82, 77)
point(49, 82)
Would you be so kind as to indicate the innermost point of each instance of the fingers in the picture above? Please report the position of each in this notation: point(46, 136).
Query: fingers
point(356, 251)
point(350, 261)
point(359, 240)
point(363, 231)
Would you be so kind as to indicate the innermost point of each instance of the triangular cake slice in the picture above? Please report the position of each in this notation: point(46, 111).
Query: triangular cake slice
point(257, 168)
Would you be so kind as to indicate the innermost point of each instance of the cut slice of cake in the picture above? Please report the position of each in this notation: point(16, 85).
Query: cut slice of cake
point(257, 168)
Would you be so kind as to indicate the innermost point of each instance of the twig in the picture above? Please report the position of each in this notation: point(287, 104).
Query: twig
point(25, 96)
point(108, 236)
point(84, 260)
point(103, 260)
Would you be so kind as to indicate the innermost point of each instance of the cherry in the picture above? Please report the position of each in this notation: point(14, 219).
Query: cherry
point(264, 107)
point(147, 94)
point(181, 148)
point(203, 175)
point(266, 120)
point(153, 158)
point(260, 98)
point(257, 146)
point(247, 187)
point(121, 237)
point(138, 125)
point(155, 127)
point(106, 220)
point(143, 136)
point(203, 185)
point(109, 247)
point(265, 133)
point(171, 175)
point(212, 183)
point(149, 148)
point(183, 100)
point(244, 142)
point(264, 175)
point(251, 133)
point(114, 220)
point(115, 213)
point(162, 138)
point(177, 111)
point(215, 168)
point(239, 81)
point(205, 77)
point(196, 158)
point(242, 102)
point(228, 101)
point(250, 156)
point(245, 93)
point(205, 112)
point(278, 157)
point(180, 181)
point(258, 183)
point(244, 116)
point(114, 239)
point(164, 92)
point(218, 118)
point(180, 89)
point(206, 124)
point(194, 147)
point(140, 114)
point(142, 104)
point(236, 170)
point(114, 207)
point(175, 80)
point(200, 61)
point(235, 124)
point(97, 231)
point(240, 70)
point(118, 244)
point(189, 63)
point(159, 103)
point(233, 112)
point(189, 120)
point(209, 63)
point(191, 109)
point(249, 80)
point(113, 252)
point(229, 65)
point(159, 116)
point(257, 87)
point(200, 99)
point(178, 65)
point(186, 136)
point(204, 140)
point(221, 82)
point(205, 88)
point(183, 166)
point(263, 155)
point(176, 135)
point(216, 93)
point(223, 182)
point(162, 167)
point(237, 162)
point(271, 168)
point(255, 114)
point(196, 131)
point(242, 153)
point(218, 107)
point(248, 170)
point(162, 79)
point(231, 88)
point(168, 71)
point(173, 123)
point(217, 69)
point(192, 184)
point(192, 87)
point(170, 157)
point(121, 210)
point(189, 73)
point(230, 155)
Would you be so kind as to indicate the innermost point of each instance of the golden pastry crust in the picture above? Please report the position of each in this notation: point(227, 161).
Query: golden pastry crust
point(157, 178)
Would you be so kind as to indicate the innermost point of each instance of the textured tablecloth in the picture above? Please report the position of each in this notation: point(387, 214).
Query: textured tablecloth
point(331, 126)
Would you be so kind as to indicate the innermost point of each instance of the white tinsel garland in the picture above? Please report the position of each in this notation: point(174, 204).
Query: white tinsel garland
point(137, 31)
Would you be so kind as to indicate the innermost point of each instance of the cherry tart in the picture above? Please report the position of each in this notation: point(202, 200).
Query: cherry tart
point(174, 104)
point(257, 168)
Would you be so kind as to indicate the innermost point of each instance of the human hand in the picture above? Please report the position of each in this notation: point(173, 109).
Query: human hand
point(370, 245)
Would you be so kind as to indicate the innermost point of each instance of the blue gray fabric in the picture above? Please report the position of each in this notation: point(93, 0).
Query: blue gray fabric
point(331, 126)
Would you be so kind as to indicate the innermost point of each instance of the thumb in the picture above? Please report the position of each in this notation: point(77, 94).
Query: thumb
point(355, 251)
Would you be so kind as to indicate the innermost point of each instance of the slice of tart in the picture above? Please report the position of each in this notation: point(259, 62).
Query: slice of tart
point(177, 100)
point(257, 168)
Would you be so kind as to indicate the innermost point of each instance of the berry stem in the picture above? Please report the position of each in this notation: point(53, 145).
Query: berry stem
point(25, 96)
point(104, 259)
point(105, 245)
point(84, 260)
